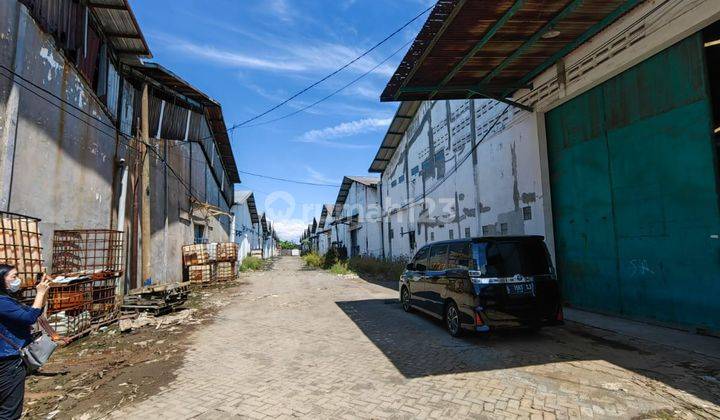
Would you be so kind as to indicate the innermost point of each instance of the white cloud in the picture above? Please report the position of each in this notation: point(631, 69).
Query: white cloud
point(233, 59)
point(281, 9)
point(289, 229)
point(345, 129)
point(295, 55)
point(316, 176)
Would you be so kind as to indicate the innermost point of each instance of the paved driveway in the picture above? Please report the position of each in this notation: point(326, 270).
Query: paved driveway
point(302, 343)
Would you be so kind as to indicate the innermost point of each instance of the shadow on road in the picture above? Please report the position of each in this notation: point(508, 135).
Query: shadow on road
point(419, 346)
point(380, 281)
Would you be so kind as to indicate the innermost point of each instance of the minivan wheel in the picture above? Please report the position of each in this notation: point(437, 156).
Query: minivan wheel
point(405, 299)
point(452, 320)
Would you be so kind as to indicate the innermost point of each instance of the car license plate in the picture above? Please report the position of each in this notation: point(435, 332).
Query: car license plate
point(516, 289)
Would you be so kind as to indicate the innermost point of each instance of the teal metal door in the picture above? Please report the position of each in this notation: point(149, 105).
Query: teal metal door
point(634, 193)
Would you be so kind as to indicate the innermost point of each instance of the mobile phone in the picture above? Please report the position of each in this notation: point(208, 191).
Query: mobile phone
point(39, 277)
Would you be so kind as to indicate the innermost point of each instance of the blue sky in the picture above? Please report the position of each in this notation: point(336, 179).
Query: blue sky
point(250, 55)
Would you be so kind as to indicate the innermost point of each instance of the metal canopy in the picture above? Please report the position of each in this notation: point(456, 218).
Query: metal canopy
point(400, 123)
point(174, 85)
point(490, 49)
point(119, 25)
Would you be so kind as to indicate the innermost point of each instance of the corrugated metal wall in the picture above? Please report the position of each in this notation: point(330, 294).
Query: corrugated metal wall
point(634, 193)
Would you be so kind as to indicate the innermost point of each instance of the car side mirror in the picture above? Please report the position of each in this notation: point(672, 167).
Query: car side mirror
point(410, 267)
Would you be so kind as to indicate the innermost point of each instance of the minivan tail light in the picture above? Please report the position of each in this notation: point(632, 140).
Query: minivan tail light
point(478, 320)
point(560, 316)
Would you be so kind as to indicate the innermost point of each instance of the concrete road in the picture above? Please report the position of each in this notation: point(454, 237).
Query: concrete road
point(304, 343)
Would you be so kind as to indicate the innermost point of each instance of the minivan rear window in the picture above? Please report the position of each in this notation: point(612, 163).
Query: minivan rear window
point(508, 258)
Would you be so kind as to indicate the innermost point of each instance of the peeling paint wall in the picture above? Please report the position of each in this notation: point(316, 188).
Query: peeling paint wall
point(447, 191)
point(62, 169)
point(65, 168)
point(508, 180)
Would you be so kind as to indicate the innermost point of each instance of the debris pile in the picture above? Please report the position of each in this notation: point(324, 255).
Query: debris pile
point(159, 299)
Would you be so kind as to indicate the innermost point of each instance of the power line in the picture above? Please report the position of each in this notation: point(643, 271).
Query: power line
point(126, 138)
point(343, 67)
point(290, 180)
point(117, 132)
point(457, 165)
point(63, 109)
point(357, 79)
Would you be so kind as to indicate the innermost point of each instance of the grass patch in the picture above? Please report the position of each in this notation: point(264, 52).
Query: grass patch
point(386, 269)
point(340, 268)
point(252, 263)
point(313, 260)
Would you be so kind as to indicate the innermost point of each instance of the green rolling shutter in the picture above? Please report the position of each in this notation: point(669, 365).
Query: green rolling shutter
point(634, 193)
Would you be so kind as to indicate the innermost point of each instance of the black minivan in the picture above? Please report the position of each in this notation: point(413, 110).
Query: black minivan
point(484, 283)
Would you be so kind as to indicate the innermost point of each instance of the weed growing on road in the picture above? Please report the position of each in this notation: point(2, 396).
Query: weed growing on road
point(313, 260)
point(251, 263)
point(340, 267)
point(385, 269)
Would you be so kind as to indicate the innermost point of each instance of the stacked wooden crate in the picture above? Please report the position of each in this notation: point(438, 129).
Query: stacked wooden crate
point(200, 267)
point(208, 263)
point(226, 258)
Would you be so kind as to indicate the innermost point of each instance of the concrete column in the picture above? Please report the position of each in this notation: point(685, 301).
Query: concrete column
point(545, 182)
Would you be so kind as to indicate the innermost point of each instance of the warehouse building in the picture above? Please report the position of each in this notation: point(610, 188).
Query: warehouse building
point(245, 224)
point(71, 81)
point(356, 217)
point(589, 122)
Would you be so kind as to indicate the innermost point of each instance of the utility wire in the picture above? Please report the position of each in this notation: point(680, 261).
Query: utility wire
point(291, 180)
point(457, 165)
point(343, 67)
point(117, 132)
point(357, 79)
point(124, 137)
point(64, 109)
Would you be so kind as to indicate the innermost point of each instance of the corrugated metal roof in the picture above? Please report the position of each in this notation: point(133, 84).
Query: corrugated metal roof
point(400, 123)
point(264, 223)
point(327, 210)
point(475, 49)
point(365, 180)
point(119, 25)
point(345, 189)
point(196, 97)
point(249, 197)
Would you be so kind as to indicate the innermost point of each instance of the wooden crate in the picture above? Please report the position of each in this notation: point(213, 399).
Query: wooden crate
point(199, 274)
point(196, 254)
point(227, 251)
point(225, 271)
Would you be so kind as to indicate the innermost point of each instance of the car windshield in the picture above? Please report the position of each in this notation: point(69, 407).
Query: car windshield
point(508, 258)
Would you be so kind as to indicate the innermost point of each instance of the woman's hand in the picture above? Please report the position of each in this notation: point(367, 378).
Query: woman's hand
point(42, 292)
point(44, 285)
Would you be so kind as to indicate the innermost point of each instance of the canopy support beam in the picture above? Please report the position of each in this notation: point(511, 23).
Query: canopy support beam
point(480, 44)
point(533, 39)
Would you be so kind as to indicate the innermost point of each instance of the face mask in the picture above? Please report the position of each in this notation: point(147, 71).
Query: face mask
point(14, 285)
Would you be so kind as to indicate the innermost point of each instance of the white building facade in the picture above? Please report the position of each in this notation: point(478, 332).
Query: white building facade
point(245, 223)
point(357, 217)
